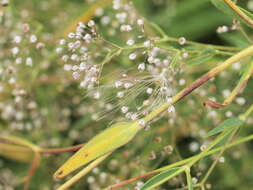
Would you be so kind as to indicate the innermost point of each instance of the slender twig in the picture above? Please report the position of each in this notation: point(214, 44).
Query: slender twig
point(208, 173)
point(181, 162)
point(33, 167)
point(241, 84)
point(239, 12)
point(83, 172)
point(200, 81)
point(211, 46)
point(61, 150)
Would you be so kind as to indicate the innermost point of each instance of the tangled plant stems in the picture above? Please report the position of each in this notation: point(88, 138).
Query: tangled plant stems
point(132, 73)
point(204, 78)
point(187, 163)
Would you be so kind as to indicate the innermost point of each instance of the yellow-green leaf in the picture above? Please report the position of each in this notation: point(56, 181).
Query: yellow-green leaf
point(19, 141)
point(113, 137)
point(16, 152)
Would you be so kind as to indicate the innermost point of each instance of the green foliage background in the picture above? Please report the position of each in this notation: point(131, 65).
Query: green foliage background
point(195, 20)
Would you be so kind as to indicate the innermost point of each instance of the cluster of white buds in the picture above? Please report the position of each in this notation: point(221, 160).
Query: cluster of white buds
point(85, 32)
point(80, 56)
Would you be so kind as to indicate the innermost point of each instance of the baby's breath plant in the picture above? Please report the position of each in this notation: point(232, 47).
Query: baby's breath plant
point(134, 94)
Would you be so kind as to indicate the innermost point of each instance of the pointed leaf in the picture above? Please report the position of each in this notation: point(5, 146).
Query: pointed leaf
point(161, 178)
point(227, 124)
point(107, 141)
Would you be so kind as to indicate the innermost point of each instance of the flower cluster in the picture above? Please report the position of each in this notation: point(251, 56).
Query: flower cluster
point(135, 92)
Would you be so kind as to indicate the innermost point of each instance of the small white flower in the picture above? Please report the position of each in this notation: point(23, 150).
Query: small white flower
point(169, 99)
point(120, 94)
point(76, 75)
point(181, 82)
point(130, 42)
point(171, 109)
point(128, 85)
point(62, 42)
point(58, 50)
point(240, 100)
point(97, 95)
point(142, 123)
point(74, 57)
point(87, 37)
point(125, 28)
point(67, 67)
point(149, 90)
point(141, 67)
point(71, 35)
point(82, 66)
point(17, 39)
point(185, 54)
point(91, 23)
point(18, 60)
point(147, 43)
point(132, 56)
point(15, 51)
point(29, 61)
point(105, 20)
point(222, 29)
point(118, 84)
point(194, 180)
point(33, 38)
point(124, 109)
point(75, 68)
point(222, 159)
point(134, 116)
point(181, 40)
point(166, 62)
point(140, 22)
point(99, 12)
point(65, 58)
point(151, 59)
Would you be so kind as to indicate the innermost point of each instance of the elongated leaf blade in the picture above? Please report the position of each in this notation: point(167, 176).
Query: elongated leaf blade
point(107, 141)
point(160, 178)
point(227, 124)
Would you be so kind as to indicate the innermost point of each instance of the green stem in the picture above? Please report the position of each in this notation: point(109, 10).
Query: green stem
point(217, 47)
point(239, 12)
point(247, 113)
point(182, 162)
point(200, 81)
point(216, 160)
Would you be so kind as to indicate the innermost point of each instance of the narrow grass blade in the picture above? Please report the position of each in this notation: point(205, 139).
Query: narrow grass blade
point(161, 178)
point(227, 124)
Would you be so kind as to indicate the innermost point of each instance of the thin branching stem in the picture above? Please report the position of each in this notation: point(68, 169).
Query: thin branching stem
point(239, 12)
point(181, 162)
point(61, 150)
point(200, 81)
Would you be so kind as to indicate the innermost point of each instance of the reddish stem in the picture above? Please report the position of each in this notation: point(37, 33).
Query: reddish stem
point(131, 180)
point(61, 150)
